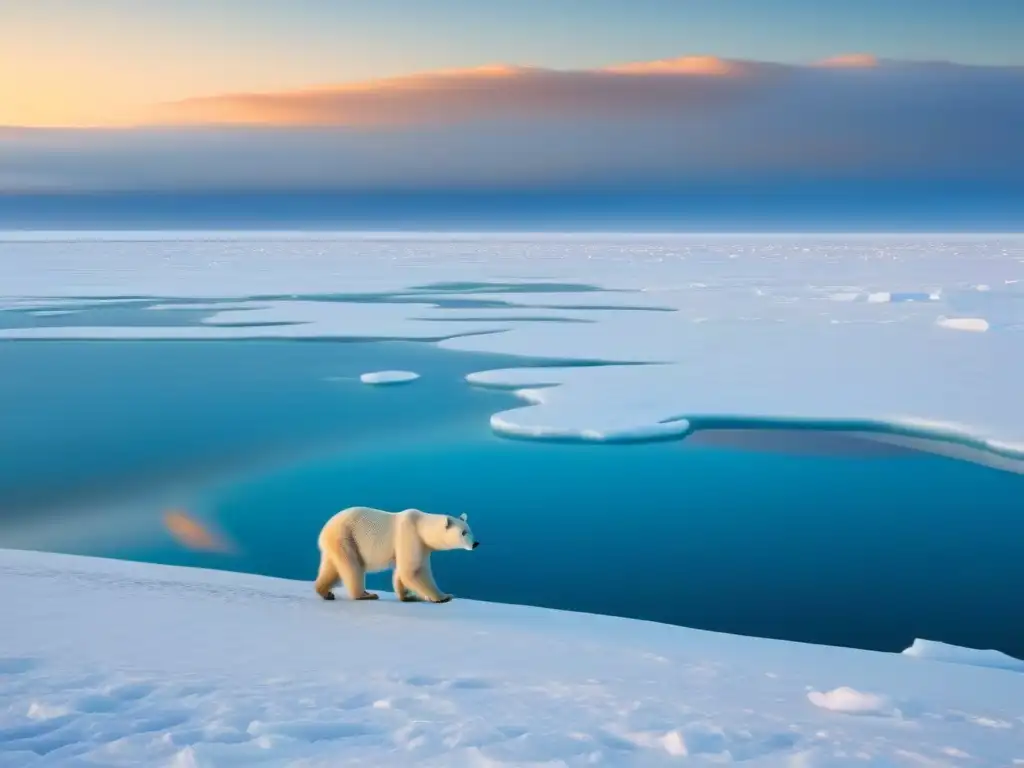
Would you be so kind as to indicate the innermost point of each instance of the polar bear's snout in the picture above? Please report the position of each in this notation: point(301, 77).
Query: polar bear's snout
point(458, 534)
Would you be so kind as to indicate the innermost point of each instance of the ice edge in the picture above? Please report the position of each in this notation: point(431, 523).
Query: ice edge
point(936, 437)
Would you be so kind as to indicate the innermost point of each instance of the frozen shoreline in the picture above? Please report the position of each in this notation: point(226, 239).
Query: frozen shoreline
point(129, 663)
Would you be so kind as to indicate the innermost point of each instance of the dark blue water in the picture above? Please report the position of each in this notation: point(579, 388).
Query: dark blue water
point(265, 440)
point(763, 205)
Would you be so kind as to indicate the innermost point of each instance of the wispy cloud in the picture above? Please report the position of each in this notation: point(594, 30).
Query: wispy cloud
point(493, 92)
point(647, 122)
point(851, 60)
point(642, 88)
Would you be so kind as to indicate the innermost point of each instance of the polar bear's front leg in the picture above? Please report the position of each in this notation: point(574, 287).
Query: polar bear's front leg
point(422, 582)
point(412, 564)
point(403, 594)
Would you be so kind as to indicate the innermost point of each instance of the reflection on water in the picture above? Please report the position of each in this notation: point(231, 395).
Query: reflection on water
point(193, 534)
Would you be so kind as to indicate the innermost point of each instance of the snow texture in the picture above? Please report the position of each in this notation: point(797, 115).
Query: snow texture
point(976, 324)
point(909, 332)
point(852, 702)
point(930, 649)
point(113, 663)
point(388, 377)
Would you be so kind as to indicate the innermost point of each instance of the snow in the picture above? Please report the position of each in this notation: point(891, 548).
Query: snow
point(930, 649)
point(388, 377)
point(964, 323)
point(852, 702)
point(550, 390)
point(113, 663)
point(873, 330)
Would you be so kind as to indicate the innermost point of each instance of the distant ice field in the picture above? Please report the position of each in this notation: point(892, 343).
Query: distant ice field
point(911, 336)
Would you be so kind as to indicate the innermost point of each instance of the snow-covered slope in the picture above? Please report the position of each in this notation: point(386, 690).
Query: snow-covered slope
point(113, 663)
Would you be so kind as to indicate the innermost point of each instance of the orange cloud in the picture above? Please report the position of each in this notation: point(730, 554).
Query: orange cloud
point(851, 61)
point(488, 92)
point(500, 91)
point(373, 102)
point(687, 65)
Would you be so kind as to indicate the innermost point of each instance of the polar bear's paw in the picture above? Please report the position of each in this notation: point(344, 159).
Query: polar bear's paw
point(368, 596)
point(442, 598)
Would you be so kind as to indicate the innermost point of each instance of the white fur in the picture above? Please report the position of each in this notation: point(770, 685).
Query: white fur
point(361, 540)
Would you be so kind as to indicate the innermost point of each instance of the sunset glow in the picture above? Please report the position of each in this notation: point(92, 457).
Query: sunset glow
point(74, 64)
point(684, 65)
point(851, 61)
point(358, 96)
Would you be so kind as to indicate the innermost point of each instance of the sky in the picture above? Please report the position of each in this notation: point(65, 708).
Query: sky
point(68, 62)
point(281, 94)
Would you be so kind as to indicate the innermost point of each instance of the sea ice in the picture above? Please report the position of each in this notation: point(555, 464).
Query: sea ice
point(931, 649)
point(388, 377)
point(582, 414)
point(964, 323)
point(780, 328)
point(115, 663)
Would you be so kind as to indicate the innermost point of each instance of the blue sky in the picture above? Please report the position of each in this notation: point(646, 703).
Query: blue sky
point(399, 34)
point(415, 34)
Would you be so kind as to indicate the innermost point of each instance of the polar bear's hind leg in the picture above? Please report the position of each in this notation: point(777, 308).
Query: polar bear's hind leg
point(350, 567)
point(326, 578)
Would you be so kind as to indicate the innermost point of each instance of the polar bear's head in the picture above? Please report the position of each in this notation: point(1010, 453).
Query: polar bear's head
point(457, 535)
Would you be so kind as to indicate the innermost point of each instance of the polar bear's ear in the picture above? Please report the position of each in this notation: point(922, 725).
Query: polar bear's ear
point(463, 517)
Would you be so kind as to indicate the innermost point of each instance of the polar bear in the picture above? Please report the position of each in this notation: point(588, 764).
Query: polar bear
point(361, 540)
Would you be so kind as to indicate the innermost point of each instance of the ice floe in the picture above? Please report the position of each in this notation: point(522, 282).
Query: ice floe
point(380, 378)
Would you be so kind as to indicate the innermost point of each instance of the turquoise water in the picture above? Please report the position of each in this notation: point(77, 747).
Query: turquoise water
point(265, 440)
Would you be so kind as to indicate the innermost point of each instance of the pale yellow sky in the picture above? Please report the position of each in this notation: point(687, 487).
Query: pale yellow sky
point(50, 92)
point(106, 69)
point(56, 85)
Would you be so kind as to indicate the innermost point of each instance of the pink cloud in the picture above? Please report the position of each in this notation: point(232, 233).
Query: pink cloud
point(688, 65)
point(494, 91)
point(685, 85)
point(851, 61)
